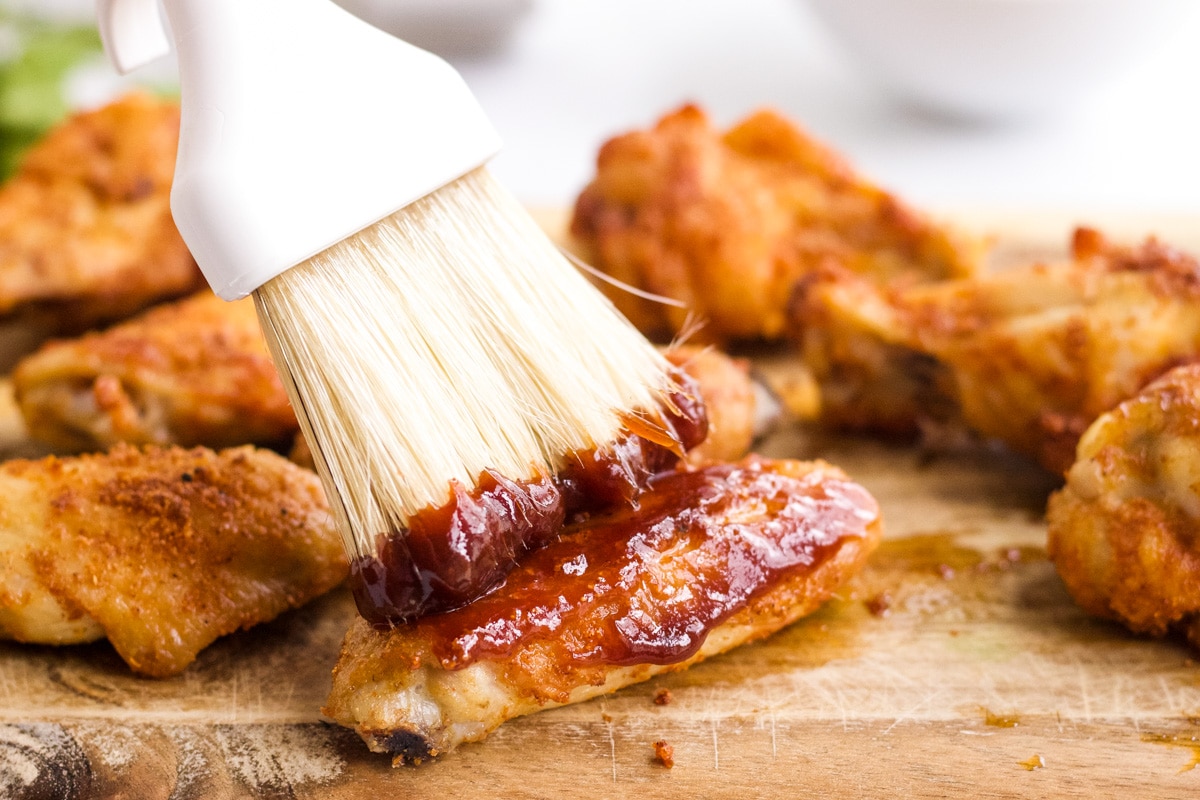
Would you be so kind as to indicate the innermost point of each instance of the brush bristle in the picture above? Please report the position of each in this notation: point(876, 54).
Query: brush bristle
point(450, 338)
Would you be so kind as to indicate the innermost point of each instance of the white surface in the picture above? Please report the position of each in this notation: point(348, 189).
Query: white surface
point(577, 71)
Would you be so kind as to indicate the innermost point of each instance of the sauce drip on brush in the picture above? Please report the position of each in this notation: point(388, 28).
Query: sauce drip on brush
point(453, 554)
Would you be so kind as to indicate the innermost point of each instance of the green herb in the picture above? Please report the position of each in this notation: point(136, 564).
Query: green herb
point(31, 81)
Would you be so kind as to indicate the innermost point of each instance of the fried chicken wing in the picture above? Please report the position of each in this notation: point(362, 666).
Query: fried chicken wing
point(709, 559)
point(159, 550)
point(194, 372)
point(731, 223)
point(1123, 531)
point(1028, 356)
point(86, 233)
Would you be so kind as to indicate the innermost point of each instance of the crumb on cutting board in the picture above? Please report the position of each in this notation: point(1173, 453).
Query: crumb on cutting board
point(664, 753)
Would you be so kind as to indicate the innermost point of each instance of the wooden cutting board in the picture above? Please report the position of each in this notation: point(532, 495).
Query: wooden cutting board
point(955, 665)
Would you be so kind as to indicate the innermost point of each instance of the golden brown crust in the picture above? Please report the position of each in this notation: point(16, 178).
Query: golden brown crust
point(1028, 356)
point(731, 224)
point(1122, 532)
point(409, 691)
point(85, 224)
point(160, 550)
point(194, 372)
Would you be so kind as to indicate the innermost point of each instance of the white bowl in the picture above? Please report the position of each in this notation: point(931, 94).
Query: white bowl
point(998, 58)
point(446, 27)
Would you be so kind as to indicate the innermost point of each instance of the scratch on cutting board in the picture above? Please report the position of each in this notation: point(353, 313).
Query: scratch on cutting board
point(1166, 690)
point(233, 701)
point(1084, 694)
point(1120, 695)
point(716, 750)
point(774, 751)
point(911, 711)
point(612, 740)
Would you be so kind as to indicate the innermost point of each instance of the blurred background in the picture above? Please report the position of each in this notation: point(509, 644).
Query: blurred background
point(1077, 105)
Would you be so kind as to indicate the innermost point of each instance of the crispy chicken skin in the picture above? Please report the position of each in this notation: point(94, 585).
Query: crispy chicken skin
point(1123, 531)
point(731, 223)
point(711, 559)
point(160, 550)
point(193, 372)
point(85, 224)
point(1028, 356)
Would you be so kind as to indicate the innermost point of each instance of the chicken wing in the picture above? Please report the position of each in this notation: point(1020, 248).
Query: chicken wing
point(708, 560)
point(194, 372)
point(1028, 356)
point(1123, 531)
point(731, 224)
point(160, 550)
point(86, 233)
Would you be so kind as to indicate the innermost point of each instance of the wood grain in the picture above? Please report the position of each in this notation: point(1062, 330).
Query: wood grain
point(955, 665)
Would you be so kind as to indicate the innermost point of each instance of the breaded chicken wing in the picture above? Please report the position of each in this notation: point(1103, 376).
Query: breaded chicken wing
point(709, 559)
point(1028, 356)
point(194, 372)
point(86, 233)
point(1123, 531)
point(159, 550)
point(732, 223)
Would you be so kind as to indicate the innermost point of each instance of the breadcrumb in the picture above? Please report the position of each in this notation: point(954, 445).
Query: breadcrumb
point(664, 753)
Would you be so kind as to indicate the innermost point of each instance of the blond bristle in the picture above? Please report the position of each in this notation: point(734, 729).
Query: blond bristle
point(449, 338)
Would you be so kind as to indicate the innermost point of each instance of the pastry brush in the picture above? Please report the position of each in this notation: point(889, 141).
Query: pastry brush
point(425, 327)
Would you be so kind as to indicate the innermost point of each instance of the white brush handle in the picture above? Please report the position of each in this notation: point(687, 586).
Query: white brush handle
point(302, 125)
point(132, 32)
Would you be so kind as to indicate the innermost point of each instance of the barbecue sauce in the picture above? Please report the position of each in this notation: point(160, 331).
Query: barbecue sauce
point(451, 554)
point(646, 585)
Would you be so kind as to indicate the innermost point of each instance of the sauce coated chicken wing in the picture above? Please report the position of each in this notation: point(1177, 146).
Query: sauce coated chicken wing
point(709, 559)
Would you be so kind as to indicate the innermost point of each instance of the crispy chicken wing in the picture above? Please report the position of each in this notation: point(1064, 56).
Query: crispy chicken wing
point(160, 550)
point(86, 233)
point(1123, 531)
point(1028, 356)
point(730, 224)
point(194, 372)
point(709, 559)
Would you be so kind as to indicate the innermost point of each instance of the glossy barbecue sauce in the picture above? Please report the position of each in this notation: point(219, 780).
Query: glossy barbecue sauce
point(647, 585)
point(452, 554)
